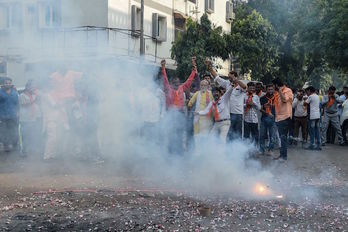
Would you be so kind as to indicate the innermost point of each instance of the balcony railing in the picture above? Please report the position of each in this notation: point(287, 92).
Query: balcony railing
point(78, 41)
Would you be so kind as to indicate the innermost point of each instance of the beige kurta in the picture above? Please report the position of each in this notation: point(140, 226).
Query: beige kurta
point(201, 124)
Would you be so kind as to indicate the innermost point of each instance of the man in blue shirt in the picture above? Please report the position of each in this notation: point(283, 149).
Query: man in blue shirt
point(9, 111)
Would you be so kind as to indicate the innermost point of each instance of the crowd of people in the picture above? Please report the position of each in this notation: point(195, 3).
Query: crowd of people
point(229, 109)
point(51, 118)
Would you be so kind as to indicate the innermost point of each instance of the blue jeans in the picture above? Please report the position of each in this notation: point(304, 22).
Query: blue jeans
point(314, 132)
point(283, 129)
point(235, 131)
point(267, 125)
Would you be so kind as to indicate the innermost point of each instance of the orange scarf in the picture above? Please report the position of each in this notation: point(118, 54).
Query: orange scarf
point(271, 103)
point(276, 101)
point(250, 99)
point(331, 102)
point(176, 98)
point(259, 94)
point(207, 100)
point(32, 108)
point(216, 112)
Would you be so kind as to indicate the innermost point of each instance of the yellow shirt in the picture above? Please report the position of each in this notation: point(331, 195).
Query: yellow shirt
point(203, 103)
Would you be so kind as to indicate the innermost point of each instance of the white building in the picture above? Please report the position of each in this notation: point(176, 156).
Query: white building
point(35, 30)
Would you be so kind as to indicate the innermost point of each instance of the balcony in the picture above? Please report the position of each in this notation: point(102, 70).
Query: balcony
point(75, 42)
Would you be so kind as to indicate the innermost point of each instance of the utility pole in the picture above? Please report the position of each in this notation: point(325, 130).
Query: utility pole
point(142, 48)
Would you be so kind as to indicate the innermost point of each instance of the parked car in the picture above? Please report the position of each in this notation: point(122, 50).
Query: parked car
point(344, 120)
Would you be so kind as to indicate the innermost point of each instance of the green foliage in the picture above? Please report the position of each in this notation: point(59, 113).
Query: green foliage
point(254, 41)
point(201, 40)
point(297, 40)
point(312, 34)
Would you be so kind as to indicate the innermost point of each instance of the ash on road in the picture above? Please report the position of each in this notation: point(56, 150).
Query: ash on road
point(66, 199)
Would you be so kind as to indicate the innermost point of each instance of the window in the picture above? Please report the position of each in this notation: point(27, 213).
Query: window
point(136, 17)
point(229, 11)
point(209, 6)
point(3, 68)
point(49, 14)
point(11, 16)
point(4, 17)
point(179, 24)
point(159, 27)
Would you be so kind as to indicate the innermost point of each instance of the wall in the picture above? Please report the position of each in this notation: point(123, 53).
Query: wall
point(120, 17)
point(84, 13)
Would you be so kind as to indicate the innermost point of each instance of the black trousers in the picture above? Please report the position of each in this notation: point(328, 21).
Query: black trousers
point(32, 138)
point(251, 131)
point(9, 132)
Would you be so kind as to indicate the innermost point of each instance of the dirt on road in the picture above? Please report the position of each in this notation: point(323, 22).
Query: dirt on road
point(64, 198)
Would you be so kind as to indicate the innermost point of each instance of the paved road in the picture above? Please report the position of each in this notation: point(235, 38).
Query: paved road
point(325, 168)
point(317, 198)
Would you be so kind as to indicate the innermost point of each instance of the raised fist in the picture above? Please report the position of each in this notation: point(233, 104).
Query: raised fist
point(163, 63)
point(207, 62)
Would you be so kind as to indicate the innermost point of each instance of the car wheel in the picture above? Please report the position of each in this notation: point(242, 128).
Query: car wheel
point(345, 130)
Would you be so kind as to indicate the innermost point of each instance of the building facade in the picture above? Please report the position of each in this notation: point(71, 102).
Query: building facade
point(36, 30)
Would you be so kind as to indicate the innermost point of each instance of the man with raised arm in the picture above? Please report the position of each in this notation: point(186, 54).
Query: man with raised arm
point(175, 93)
point(283, 110)
point(236, 101)
point(219, 108)
point(175, 101)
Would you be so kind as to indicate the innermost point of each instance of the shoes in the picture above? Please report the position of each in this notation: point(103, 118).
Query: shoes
point(323, 144)
point(281, 159)
point(311, 147)
point(23, 154)
point(270, 153)
point(317, 148)
point(342, 144)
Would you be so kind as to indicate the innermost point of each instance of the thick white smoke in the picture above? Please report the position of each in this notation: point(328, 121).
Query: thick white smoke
point(126, 90)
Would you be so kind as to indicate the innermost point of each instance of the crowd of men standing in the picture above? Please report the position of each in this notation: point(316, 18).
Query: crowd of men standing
point(57, 116)
point(227, 108)
point(233, 109)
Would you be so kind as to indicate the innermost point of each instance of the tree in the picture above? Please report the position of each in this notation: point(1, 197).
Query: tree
point(326, 31)
point(254, 41)
point(201, 40)
point(312, 36)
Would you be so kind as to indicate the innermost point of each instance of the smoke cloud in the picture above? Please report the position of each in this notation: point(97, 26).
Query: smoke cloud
point(125, 91)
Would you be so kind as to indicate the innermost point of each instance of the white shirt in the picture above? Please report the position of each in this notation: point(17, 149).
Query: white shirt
point(223, 105)
point(314, 102)
point(300, 109)
point(29, 111)
point(252, 115)
point(236, 98)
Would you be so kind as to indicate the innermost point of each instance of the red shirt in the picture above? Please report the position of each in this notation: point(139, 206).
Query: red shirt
point(175, 97)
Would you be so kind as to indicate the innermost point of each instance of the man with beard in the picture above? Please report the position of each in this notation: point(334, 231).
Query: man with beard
point(283, 109)
point(251, 118)
point(236, 101)
point(175, 100)
point(313, 101)
point(30, 119)
point(201, 99)
point(300, 116)
point(219, 108)
point(330, 103)
point(9, 113)
point(267, 119)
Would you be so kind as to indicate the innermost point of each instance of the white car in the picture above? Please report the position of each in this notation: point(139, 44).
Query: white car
point(344, 120)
